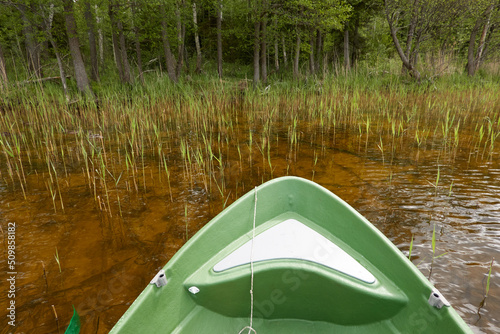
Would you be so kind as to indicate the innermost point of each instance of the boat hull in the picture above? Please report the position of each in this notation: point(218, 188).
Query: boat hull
point(318, 266)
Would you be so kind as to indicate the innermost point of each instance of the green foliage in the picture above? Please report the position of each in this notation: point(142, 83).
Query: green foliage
point(443, 37)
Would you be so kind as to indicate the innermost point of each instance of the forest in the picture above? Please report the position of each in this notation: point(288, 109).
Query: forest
point(85, 45)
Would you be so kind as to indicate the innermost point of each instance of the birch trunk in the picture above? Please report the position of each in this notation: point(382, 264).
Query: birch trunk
point(99, 35)
point(48, 26)
point(196, 40)
point(137, 42)
point(256, 53)
point(181, 34)
point(297, 56)
point(283, 46)
point(276, 55)
point(263, 50)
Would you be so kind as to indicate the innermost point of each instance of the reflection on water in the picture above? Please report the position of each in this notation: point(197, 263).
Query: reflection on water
point(114, 227)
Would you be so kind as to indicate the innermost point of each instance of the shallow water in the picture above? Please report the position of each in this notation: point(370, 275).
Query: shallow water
point(116, 230)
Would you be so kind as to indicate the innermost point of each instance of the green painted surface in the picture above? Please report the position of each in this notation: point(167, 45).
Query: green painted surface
point(290, 296)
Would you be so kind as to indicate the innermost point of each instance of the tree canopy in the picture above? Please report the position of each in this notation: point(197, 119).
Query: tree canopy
point(41, 39)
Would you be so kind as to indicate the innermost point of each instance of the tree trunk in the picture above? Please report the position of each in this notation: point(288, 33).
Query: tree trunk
point(169, 57)
point(482, 40)
point(325, 63)
point(115, 40)
point(356, 47)
point(416, 49)
point(347, 55)
point(123, 52)
point(116, 54)
point(406, 62)
point(285, 58)
point(32, 48)
point(89, 19)
point(319, 50)
point(100, 36)
point(48, 26)
point(3, 72)
point(82, 80)
point(312, 67)
point(486, 44)
point(196, 40)
point(474, 59)
point(137, 42)
point(219, 38)
point(297, 56)
point(181, 34)
point(263, 50)
point(120, 48)
point(256, 52)
point(62, 73)
point(276, 55)
point(276, 44)
point(411, 32)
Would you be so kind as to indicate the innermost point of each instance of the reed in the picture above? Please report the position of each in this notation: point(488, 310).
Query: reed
point(164, 137)
point(434, 256)
point(486, 290)
point(56, 317)
point(56, 256)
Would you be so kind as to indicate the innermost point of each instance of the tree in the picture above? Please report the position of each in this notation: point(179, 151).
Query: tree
point(119, 45)
point(89, 19)
point(197, 40)
point(48, 19)
point(33, 47)
point(169, 57)
point(484, 24)
point(137, 42)
point(419, 18)
point(3, 73)
point(219, 38)
point(81, 77)
point(363, 11)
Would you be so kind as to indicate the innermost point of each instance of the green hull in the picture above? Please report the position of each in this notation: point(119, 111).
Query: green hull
point(318, 267)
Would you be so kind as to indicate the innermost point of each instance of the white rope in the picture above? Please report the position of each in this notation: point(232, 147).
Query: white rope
point(250, 328)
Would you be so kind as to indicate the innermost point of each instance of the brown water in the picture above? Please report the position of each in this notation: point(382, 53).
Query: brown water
point(114, 234)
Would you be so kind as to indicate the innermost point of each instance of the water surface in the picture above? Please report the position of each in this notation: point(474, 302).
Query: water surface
point(117, 209)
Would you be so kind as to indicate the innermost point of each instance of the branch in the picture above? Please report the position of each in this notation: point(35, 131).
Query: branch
point(41, 80)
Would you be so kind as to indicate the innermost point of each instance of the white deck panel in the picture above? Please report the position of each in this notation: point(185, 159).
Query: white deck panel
point(291, 239)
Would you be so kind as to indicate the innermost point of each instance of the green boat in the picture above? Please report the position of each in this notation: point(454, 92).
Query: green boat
point(290, 257)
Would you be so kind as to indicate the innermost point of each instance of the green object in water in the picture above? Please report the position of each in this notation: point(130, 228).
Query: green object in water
point(74, 324)
point(313, 264)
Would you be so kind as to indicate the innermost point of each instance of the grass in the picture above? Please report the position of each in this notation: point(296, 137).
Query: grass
point(203, 125)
